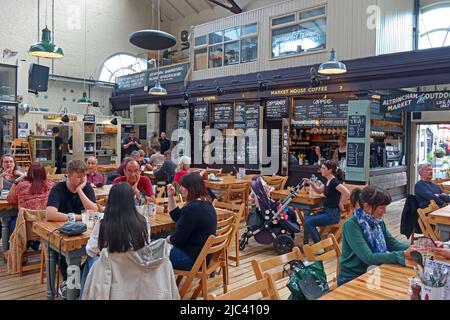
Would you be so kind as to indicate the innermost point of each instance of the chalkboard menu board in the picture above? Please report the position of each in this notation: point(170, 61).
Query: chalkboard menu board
point(330, 112)
point(252, 143)
point(356, 126)
point(277, 109)
point(239, 113)
point(201, 113)
point(355, 155)
point(89, 118)
point(252, 116)
point(223, 113)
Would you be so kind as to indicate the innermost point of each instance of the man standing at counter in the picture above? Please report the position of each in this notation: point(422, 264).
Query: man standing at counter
point(426, 190)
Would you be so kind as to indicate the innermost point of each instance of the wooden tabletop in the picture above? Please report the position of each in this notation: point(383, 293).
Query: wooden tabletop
point(106, 168)
point(301, 198)
point(440, 216)
point(4, 205)
point(44, 229)
point(385, 282)
point(149, 174)
point(225, 182)
point(56, 177)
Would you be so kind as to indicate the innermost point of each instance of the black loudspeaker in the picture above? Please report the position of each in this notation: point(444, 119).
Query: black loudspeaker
point(38, 78)
point(95, 104)
point(184, 36)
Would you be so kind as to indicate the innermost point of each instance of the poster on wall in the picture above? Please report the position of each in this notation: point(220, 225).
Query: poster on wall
point(416, 101)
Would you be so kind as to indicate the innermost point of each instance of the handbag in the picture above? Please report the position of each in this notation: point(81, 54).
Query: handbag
point(73, 228)
point(307, 281)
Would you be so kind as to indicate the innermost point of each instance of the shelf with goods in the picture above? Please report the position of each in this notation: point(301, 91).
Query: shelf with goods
point(100, 140)
point(43, 149)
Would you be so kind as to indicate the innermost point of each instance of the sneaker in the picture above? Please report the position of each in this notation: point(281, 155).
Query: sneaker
point(62, 290)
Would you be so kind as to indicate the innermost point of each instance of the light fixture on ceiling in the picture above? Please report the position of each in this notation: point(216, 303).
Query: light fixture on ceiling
point(114, 120)
point(151, 39)
point(46, 48)
point(158, 90)
point(85, 100)
point(64, 116)
point(219, 90)
point(262, 85)
point(332, 66)
point(186, 96)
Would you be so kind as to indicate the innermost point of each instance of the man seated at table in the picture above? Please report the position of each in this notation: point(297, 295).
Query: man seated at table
point(426, 190)
point(139, 183)
point(156, 159)
point(121, 170)
point(94, 177)
point(167, 170)
point(73, 195)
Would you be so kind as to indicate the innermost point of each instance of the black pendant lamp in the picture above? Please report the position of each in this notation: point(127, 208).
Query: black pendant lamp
point(151, 39)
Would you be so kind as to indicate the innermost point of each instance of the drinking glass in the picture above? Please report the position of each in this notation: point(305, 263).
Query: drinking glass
point(424, 246)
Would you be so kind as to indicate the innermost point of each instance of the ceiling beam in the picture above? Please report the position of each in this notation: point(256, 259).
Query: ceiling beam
point(176, 9)
point(209, 4)
point(234, 6)
point(192, 7)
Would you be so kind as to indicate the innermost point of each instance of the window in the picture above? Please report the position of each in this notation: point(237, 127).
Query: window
point(226, 47)
point(121, 64)
point(304, 31)
point(434, 26)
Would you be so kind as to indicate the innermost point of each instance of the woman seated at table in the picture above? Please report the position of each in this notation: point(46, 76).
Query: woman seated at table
point(30, 192)
point(336, 195)
point(183, 168)
point(195, 222)
point(121, 229)
point(365, 238)
point(9, 172)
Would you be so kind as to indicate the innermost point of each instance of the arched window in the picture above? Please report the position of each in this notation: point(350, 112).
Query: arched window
point(435, 25)
point(121, 64)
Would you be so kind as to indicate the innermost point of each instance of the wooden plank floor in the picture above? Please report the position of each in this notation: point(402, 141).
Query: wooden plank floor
point(28, 286)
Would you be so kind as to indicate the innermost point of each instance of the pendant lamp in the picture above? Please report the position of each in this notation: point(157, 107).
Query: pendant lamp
point(85, 100)
point(332, 66)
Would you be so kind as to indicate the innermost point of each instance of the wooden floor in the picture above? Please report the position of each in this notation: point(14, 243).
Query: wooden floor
point(28, 286)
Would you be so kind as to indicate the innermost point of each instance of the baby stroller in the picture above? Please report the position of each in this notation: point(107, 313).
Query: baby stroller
point(273, 222)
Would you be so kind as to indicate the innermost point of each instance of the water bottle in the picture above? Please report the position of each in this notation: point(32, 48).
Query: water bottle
point(71, 217)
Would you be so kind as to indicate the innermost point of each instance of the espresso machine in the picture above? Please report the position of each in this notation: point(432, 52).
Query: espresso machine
point(378, 155)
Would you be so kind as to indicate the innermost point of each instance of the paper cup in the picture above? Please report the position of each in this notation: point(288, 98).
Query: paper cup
point(432, 293)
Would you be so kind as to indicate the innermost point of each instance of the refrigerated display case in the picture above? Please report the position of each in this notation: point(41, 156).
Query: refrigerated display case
point(43, 149)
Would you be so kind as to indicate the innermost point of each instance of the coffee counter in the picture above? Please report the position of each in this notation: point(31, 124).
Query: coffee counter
point(394, 180)
point(297, 172)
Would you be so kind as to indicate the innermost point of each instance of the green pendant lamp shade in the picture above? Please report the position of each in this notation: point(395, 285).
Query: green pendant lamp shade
point(332, 66)
point(45, 48)
point(84, 99)
point(158, 90)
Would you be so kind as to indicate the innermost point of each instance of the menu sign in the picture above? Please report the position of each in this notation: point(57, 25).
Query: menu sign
point(133, 81)
point(89, 118)
point(356, 126)
point(416, 101)
point(201, 113)
point(252, 123)
point(329, 112)
point(239, 115)
point(277, 109)
point(223, 113)
point(252, 116)
point(355, 155)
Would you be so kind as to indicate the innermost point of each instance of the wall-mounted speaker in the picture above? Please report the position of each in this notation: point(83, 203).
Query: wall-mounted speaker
point(38, 78)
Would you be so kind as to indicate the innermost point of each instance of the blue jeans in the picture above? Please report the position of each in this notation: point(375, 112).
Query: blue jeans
point(180, 260)
point(342, 280)
point(327, 217)
point(86, 267)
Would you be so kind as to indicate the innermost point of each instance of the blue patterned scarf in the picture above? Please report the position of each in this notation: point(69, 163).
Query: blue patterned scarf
point(372, 231)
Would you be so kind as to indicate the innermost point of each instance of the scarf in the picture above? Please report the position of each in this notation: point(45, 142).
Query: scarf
point(372, 231)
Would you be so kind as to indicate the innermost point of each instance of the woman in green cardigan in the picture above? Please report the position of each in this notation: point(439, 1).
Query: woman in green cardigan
point(366, 240)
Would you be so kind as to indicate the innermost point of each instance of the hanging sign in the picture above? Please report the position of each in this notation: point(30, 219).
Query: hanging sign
point(415, 101)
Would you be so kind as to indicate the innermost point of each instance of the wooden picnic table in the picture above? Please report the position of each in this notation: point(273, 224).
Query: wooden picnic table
point(385, 282)
point(103, 191)
point(441, 218)
point(226, 181)
point(56, 177)
point(304, 202)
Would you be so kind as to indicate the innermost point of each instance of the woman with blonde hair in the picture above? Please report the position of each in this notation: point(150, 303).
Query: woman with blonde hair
point(182, 168)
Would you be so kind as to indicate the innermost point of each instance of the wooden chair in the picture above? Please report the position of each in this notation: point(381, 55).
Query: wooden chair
point(239, 210)
point(224, 222)
point(30, 216)
point(274, 266)
point(428, 229)
point(267, 284)
point(50, 170)
point(277, 182)
point(331, 249)
point(160, 195)
point(336, 229)
point(216, 247)
point(238, 193)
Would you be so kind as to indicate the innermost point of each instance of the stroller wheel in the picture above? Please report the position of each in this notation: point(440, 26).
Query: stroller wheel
point(283, 244)
point(243, 242)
